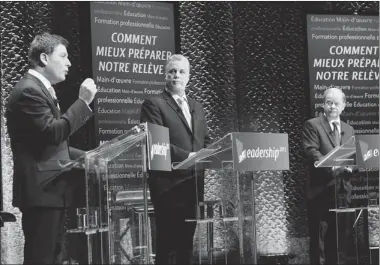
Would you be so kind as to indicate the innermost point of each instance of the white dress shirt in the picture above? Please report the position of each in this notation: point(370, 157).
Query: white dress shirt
point(332, 125)
point(44, 81)
point(186, 109)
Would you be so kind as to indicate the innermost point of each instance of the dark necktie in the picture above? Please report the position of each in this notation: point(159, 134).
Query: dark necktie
point(336, 133)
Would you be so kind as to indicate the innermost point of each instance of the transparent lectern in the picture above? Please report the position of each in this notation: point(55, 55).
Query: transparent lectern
point(230, 205)
point(116, 219)
point(356, 197)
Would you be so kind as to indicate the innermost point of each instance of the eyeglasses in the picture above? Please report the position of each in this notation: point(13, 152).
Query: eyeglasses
point(330, 103)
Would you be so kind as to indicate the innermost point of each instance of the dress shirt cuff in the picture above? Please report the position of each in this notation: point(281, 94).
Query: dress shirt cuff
point(86, 104)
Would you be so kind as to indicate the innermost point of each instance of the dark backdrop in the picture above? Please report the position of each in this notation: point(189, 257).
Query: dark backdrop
point(249, 68)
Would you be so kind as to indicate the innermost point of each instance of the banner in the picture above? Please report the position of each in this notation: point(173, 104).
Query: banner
point(130, 43)
point(343, 52)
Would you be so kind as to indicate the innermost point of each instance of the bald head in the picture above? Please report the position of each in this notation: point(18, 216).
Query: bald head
point(334, 103)
point(334, 90)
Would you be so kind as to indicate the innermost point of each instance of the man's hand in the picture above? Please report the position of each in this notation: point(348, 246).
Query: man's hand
point(340, 169)
point(87, 90)
point(191, 154)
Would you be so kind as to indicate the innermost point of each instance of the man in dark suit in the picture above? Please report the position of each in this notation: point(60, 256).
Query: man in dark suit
point(320, 136)
point(173, 193)
point(39, 135)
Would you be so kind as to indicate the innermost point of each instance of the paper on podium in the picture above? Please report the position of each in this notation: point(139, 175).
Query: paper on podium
point(190, 161)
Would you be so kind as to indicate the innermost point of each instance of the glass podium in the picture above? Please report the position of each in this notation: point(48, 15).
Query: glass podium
point(230, 205)
point(356, 197)
point(117, 217)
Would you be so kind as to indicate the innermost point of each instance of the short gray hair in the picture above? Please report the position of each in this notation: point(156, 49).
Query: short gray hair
point(331, 89)
point(176, 57)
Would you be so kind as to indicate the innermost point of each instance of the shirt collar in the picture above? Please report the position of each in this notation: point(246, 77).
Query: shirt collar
point(337, 121)
point(331, 123)
point(40, 77)
point(176, 97)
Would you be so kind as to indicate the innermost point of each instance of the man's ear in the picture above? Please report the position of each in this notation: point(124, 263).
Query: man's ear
point(344, 106)
point(44, 58)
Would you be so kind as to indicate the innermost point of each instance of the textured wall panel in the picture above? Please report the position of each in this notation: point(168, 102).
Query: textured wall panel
point(207, 39)
point(373, 227)
point(20, 21)
point(271, 98)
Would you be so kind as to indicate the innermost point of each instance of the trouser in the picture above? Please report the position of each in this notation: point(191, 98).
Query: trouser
point(174, 235)
point(43, 229)
point(322, 228)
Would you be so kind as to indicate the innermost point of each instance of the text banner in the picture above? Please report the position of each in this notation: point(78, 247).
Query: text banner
point(344, 52)
point(130, 43)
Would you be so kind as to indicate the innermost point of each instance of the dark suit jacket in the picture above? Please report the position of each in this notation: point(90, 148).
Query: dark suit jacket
point(318, 141)
point(39, 134)
point(164, 111)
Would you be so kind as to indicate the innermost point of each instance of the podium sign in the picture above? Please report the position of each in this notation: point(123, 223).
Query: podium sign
point(367, 151)
point(158, 148)
point(259, 151)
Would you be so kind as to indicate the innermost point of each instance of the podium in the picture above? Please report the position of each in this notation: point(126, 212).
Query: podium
point(116, 219)
point(356, 197)
point(230, 205)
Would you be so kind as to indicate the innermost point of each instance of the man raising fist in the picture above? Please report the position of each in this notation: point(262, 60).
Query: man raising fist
point(39, 133)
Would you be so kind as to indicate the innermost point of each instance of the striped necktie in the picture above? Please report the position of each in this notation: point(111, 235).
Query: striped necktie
point(185, 110)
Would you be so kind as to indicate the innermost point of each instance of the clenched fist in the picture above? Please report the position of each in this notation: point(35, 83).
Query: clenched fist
point(87, 90)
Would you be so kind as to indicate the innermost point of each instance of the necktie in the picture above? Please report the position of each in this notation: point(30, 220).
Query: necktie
point(185, 110)
point(336, 133)
point(54, 96)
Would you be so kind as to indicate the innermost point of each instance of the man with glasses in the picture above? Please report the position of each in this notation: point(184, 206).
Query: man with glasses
point(321, 135)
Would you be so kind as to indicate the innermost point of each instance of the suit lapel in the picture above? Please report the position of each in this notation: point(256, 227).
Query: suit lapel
point(327, 128)
point(171, 102)
point(44, 90)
